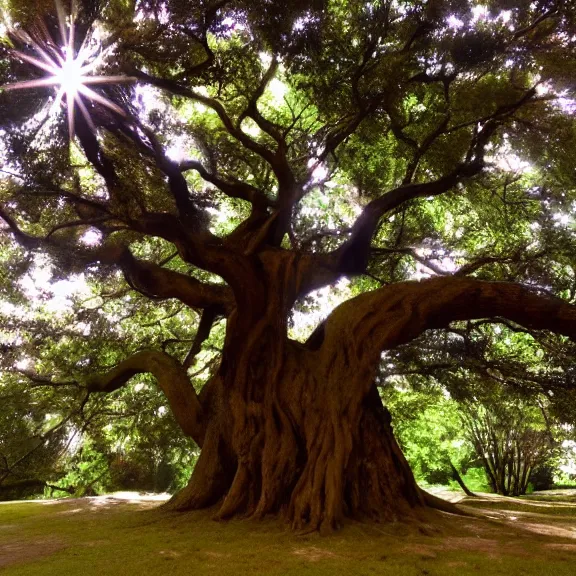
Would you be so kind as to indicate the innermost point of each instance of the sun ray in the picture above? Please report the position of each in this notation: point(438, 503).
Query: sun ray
point(61, 22)
point(40, 82)
point(70, 108)
point(69, 71)
point(85, 113)
point(106, 79)
point(54, 70)
point(88, 92)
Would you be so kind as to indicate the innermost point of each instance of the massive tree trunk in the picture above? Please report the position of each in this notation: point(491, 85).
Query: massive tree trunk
point(296, 429)
point(299, 429)
point(314, 444)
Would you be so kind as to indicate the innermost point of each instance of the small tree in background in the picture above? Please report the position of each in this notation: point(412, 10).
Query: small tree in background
point(511, 439)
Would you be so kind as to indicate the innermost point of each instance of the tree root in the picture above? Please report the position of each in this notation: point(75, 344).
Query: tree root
point(443, 505)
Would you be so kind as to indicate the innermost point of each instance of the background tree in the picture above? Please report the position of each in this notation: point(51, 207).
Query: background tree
point(428, 427)
point(267, 151)
point(511, 440)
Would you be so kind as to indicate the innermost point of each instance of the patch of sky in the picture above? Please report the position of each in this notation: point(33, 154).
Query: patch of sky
point(318, 306)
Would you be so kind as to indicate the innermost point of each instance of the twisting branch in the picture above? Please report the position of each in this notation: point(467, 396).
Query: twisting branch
point(172, 380)
point(251, 110)
point(354, 253)
point(231, 128)
point(146, 277)
point(477, 264)
point(157, 282)
point(207, 320)
point(38, 380)
point(523, 31)
point(25, 240)
point(202, 39)
point(394, 315)
point(424, 147)
point(236, 189)
point(335, 137)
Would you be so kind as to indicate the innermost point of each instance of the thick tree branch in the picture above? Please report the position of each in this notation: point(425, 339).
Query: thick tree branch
point(157, 282)
point(287, 185)
point(204, 251)
point(146, 277)
point(354, 253)
point(236, 189)
point(190, 215)
point(25, 240)
point(171, 378)
point(394, 315)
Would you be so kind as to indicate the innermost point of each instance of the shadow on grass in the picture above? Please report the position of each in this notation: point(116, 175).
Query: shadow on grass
point(125, 534)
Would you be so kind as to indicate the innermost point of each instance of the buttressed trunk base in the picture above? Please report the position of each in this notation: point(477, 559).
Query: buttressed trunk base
point(307, 446)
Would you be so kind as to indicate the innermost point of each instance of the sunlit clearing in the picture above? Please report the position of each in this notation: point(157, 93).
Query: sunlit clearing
point(133, 496)
point(130, 497)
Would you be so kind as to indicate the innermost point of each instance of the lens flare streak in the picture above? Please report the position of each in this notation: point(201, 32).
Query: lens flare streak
point(69, 73)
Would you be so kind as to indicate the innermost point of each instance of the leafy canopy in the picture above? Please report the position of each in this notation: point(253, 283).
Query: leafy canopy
point(380, 141)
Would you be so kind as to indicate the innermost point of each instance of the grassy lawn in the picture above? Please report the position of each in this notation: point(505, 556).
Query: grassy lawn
point(533, 536)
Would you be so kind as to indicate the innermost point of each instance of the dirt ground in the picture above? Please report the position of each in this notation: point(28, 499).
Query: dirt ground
point(128, 533)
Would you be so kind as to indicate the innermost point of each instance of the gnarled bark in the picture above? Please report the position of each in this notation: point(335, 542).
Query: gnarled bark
point(308, 446)
point(299, 430)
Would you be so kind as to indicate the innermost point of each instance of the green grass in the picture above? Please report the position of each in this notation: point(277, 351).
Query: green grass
point(82, 538)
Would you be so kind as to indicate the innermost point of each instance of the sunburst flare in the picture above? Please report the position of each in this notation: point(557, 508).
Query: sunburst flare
point(68, 71)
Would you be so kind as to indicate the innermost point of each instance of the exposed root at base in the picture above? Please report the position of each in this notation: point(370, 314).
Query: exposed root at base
point(442, 505)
